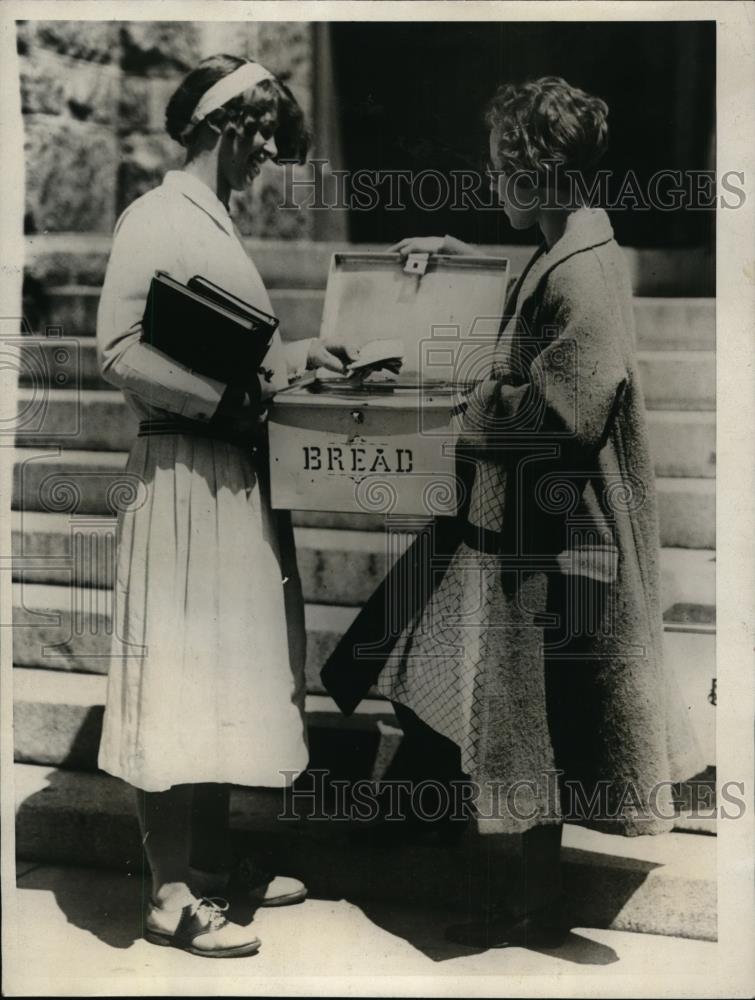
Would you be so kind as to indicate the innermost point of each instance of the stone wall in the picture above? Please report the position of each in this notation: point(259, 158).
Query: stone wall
point(70, 82)
point(94, 96)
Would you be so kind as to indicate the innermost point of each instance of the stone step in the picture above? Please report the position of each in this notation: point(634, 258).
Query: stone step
point(69, 630)
point(58, 712)
point(43, 365)
point(72, 309)
point(663, 885)
point(67, 310)
point(80, 258)
point(63, 907)
point(675, 324)
point(95, 482)
point(82, 419)
point(662, 323)
point(337, 566)
point(683, 443)
point(57, 720)
point(688, 585)
point(692, 657)
point(687, 514)
point(677, 380)
point(76, 482)
point(53, 548)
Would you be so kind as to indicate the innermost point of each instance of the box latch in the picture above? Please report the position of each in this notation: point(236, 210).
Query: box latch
point(416, 263)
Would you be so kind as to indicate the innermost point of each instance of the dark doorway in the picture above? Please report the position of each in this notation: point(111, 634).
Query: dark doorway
point(410, 97)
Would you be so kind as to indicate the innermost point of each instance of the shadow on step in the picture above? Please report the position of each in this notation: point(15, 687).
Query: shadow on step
point(109, 906)
point(425, 932)
point(416, 890)
point(106, 904)
point(412, 890)
point(87, 819)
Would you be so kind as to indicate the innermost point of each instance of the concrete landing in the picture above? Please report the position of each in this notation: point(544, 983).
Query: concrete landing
point(654, 885)
point(78, 932)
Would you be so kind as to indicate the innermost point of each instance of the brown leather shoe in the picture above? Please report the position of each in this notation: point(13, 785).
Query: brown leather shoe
point(201, 928)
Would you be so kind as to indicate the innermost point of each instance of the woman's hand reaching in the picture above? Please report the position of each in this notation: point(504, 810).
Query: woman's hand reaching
point(433, 244)
point(331, 354)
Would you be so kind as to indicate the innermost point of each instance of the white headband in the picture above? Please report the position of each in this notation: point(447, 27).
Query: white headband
point(248, 75)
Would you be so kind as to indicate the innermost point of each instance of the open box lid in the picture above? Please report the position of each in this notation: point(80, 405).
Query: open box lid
point(434, 304)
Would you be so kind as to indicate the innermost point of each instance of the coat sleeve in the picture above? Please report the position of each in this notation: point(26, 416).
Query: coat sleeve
point(569, 389)
point(143, 244)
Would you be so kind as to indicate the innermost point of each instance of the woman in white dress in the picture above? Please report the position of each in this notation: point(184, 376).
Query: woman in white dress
point(206, 683)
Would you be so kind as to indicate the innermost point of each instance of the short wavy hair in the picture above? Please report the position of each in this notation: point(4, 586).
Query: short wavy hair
point(546, 122)
point(273, 109)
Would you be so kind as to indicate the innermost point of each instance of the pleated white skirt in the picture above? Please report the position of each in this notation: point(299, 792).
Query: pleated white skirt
point(206, 682)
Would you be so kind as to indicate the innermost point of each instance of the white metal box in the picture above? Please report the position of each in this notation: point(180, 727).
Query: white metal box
point(381, 448)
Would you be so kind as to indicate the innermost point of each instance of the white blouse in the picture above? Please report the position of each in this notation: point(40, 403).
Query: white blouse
point(183, 228)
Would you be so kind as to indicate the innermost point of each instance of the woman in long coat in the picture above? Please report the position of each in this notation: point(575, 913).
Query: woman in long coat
point(529, 636)
point(206, 679)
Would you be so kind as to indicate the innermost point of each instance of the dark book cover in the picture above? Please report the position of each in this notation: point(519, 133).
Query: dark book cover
point(206, 328)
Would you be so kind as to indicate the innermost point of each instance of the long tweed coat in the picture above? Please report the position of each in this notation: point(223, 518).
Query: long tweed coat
point(559, 522)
